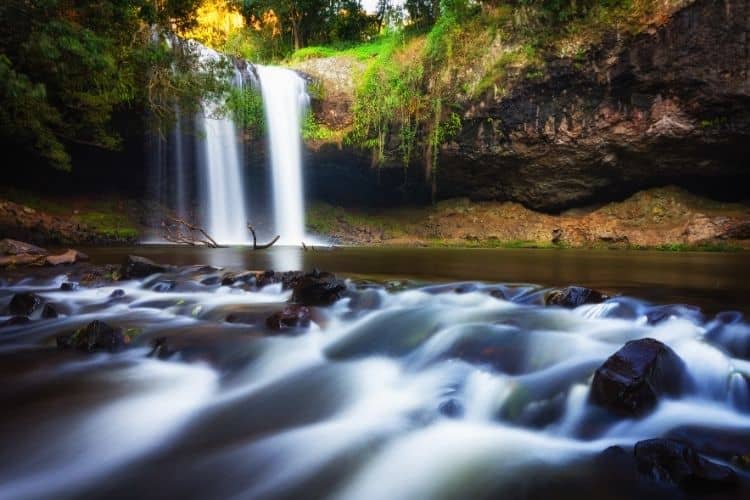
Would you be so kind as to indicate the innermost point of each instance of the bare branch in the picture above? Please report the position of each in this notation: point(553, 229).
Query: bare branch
point(180, 231)
point(255, 239)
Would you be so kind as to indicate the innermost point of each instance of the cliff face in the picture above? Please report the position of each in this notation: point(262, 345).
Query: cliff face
point(668, 106)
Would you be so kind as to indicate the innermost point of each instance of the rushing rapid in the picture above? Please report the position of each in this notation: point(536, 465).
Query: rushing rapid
point(464, 390)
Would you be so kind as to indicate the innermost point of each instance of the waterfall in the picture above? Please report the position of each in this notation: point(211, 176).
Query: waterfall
point(220, 158)
point(285, 100)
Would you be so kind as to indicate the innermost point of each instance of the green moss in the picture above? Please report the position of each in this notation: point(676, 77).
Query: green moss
point(108, 224)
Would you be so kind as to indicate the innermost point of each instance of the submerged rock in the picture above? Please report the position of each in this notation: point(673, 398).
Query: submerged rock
point(16, 320)
point(23, 304)
point(240, 277)
point(318, 289)
point(69, 286)
point(49, 312)
point(289, 317)
point(140, 267)
point(630, 381)
point(161, 349)
point(96, 336)
point(671, 461)
point(574, 296)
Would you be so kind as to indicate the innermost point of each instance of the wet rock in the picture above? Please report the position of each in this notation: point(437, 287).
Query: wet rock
point(288, 279)
point(230, 279)
point(23, 304)
point(365, 300)
point(289, 317)
point(161, 349)
point(659, 314)
point(49, 312)
point(96, 336)
point(140, 267)
point(318, 289)
point(15, 321)
point(451, 408)
point(574, 296)
point(630, 381)
point(451, 288)
point(116, 294)
point(671, 461)
point(69, 286)
point(726, 444)
point(211, 281)
point(69, 257)
point(15, 247)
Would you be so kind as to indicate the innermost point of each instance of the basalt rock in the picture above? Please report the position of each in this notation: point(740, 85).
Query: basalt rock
point(574, 296)
point(15, 247)
point(96, 336)
point(671, 461)
point(289, 317)
point(140, 267)
point(630, 382)
point(49, 312)
point(23, 304)
point(318, 289)
point(670, 105)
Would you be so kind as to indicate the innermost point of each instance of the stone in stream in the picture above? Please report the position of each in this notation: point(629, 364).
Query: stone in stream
point(49, 312)
point(630, 381)
point(231, 278)
point(318, 289)
point(671, 461)
point(96, 336)
point(574, 296)
point(117, 293)
point(23, 304)
point(140, 267)
point(291, 316)
point(15, 321)
point(161, 349)
point(69, 286)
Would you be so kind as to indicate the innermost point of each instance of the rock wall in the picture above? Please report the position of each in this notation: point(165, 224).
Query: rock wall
point(668, 106)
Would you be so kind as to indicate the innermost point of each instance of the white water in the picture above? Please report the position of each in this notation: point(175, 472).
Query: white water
point(355, 400)
point(224, 203)
point(285, 100)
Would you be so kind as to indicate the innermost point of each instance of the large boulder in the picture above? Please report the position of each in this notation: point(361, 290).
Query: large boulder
point(23, 304)
point(574, 296)
point(318, 289)
point(15, 247)
point(630, 382)
point(671, 461)
point(96, 336)
point(140, 267)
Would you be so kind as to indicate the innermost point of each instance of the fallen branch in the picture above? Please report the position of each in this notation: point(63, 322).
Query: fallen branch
point(180, 231)
point(255, 239)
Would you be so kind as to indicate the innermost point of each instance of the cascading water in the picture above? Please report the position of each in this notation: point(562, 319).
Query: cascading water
point(220, 158)
point(285, 101)
point(453, 391)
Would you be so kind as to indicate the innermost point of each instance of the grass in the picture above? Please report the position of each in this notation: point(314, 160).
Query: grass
point(361, 51)
point(108, 224)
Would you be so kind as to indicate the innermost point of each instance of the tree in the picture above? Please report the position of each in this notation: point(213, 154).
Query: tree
point(67, 65)
point(297, 17)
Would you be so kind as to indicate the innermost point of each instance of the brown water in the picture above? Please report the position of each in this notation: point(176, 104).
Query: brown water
point(711, 280)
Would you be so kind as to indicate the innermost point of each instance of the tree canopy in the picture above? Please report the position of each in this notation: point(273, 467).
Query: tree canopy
point(67, 65)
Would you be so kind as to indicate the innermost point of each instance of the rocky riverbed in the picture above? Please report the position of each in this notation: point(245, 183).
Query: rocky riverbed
point(330, 386)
